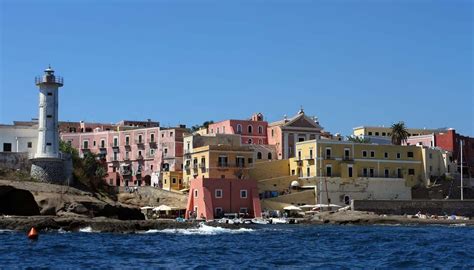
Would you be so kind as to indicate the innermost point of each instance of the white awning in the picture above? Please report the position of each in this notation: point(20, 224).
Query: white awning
point(292, 208)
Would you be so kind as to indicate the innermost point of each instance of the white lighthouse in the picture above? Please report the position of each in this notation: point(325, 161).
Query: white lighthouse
point(48, 165)
point(48, 135)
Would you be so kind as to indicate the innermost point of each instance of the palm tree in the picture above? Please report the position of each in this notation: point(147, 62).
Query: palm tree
point(399, 133)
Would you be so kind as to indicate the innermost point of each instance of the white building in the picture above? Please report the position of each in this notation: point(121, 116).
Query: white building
point(17, 138)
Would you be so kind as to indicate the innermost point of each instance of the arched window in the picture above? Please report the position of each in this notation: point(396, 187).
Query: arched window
point(273, 133)
point(249, 129)
point(269, 155)
point(250, 141)
point(347, 199)
point(239, 128)
point(260, 130)
point(259, 155)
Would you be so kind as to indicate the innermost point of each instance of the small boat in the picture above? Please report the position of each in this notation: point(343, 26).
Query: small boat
point(259, 221)
point(279, 221)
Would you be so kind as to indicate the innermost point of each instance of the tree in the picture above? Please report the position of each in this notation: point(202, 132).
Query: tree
point(399, 133)
point(204, 125)
point(357, 139)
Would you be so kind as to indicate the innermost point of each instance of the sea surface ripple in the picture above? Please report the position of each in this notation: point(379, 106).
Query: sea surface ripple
point(263, 247)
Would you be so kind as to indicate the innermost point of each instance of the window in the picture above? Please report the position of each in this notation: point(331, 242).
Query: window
point(347, 153)
point(171, 134)
point(301, 139)
point(115, 157)
point(174, 181)
point(273, 133)
point(127, 155)
point(299, 154)
point(222, 161)
point(328, 170)
point(195, 193)
point(385, 155)
point(293, 172)
point(29, 144)
point(372, 153)
point(328, 153)
point(308, 172)
point(376, 134)
point(7, 147)
point(152, 152)
point(386, 173)
point(243, 193)
point(217, 130)
point(364, 153)
point(239, 128)
point(250, 129)
point(399, 173)
point(85, 144)
point(269, 155)
point(260, 130)
point(384, 134)
point(347, 199)
point(152, 137)
point(218, 211)
point(399, 155)
point(349, 171)
point(364, 172)
point(370, 133)
point(410, 154)
point(93, 143)
point(240, 162)
point(243, 210)
point(50, 94)
point(250, 160)
point(218, 193)
point(223, 130)
point(259, 155)
point(49, 116)
point(140, 138)
point(249, 141)
point(371, 172)
point(411, 171)
point(431, 156)
point(102, 143)
point(165, 151)
point(127, 140)
point(48, 144)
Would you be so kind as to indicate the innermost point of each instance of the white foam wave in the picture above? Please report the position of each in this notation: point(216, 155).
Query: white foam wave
point(6, 231)
point(87, 229)
point(202, 230)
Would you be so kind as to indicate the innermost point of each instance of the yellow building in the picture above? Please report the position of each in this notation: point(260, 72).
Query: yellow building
point(387, 131)
point(172, 180)
point(218, 161)
point(347, 160)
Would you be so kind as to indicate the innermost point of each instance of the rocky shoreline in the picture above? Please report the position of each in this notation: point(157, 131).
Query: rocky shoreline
point(108, 225)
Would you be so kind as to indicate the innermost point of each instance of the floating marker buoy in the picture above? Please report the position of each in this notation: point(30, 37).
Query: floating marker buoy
point(33, 234)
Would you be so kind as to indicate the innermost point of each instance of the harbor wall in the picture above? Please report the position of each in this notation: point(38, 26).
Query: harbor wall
point(411, 207)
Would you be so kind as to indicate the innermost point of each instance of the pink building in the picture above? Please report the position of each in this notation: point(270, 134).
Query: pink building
point(252, 131)
point(284, 134)
point(133, 156)
point(212, 198)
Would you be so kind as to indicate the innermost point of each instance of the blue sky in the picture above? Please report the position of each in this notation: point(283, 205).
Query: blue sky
point(350, 63)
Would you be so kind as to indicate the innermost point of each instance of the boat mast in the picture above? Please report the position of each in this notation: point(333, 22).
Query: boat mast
point(462, 185)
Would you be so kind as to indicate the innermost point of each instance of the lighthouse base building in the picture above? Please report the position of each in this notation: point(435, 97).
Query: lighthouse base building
point(55, 171)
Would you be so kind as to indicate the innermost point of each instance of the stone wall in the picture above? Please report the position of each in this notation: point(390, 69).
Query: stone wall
point(14, 160)
point(411, 207)
point(55, 171)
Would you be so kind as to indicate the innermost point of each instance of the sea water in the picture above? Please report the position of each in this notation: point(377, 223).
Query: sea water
point(268, 246)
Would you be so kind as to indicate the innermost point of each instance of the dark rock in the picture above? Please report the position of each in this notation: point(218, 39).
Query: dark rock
point(18, 202)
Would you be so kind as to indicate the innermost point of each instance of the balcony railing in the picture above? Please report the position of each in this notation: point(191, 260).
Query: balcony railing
point(138, 141)
point(49, 79)
point(114, 145)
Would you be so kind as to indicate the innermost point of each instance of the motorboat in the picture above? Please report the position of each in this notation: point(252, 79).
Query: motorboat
point(259, 221)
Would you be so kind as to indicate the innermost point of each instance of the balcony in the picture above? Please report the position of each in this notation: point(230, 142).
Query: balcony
point(152, 143)
point(114, 145)
point(127, 145)
point(299, 163)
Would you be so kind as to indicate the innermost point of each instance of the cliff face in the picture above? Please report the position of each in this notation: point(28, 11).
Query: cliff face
point(34, 198)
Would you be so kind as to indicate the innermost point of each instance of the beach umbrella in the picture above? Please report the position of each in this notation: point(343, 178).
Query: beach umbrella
point(162, 208)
